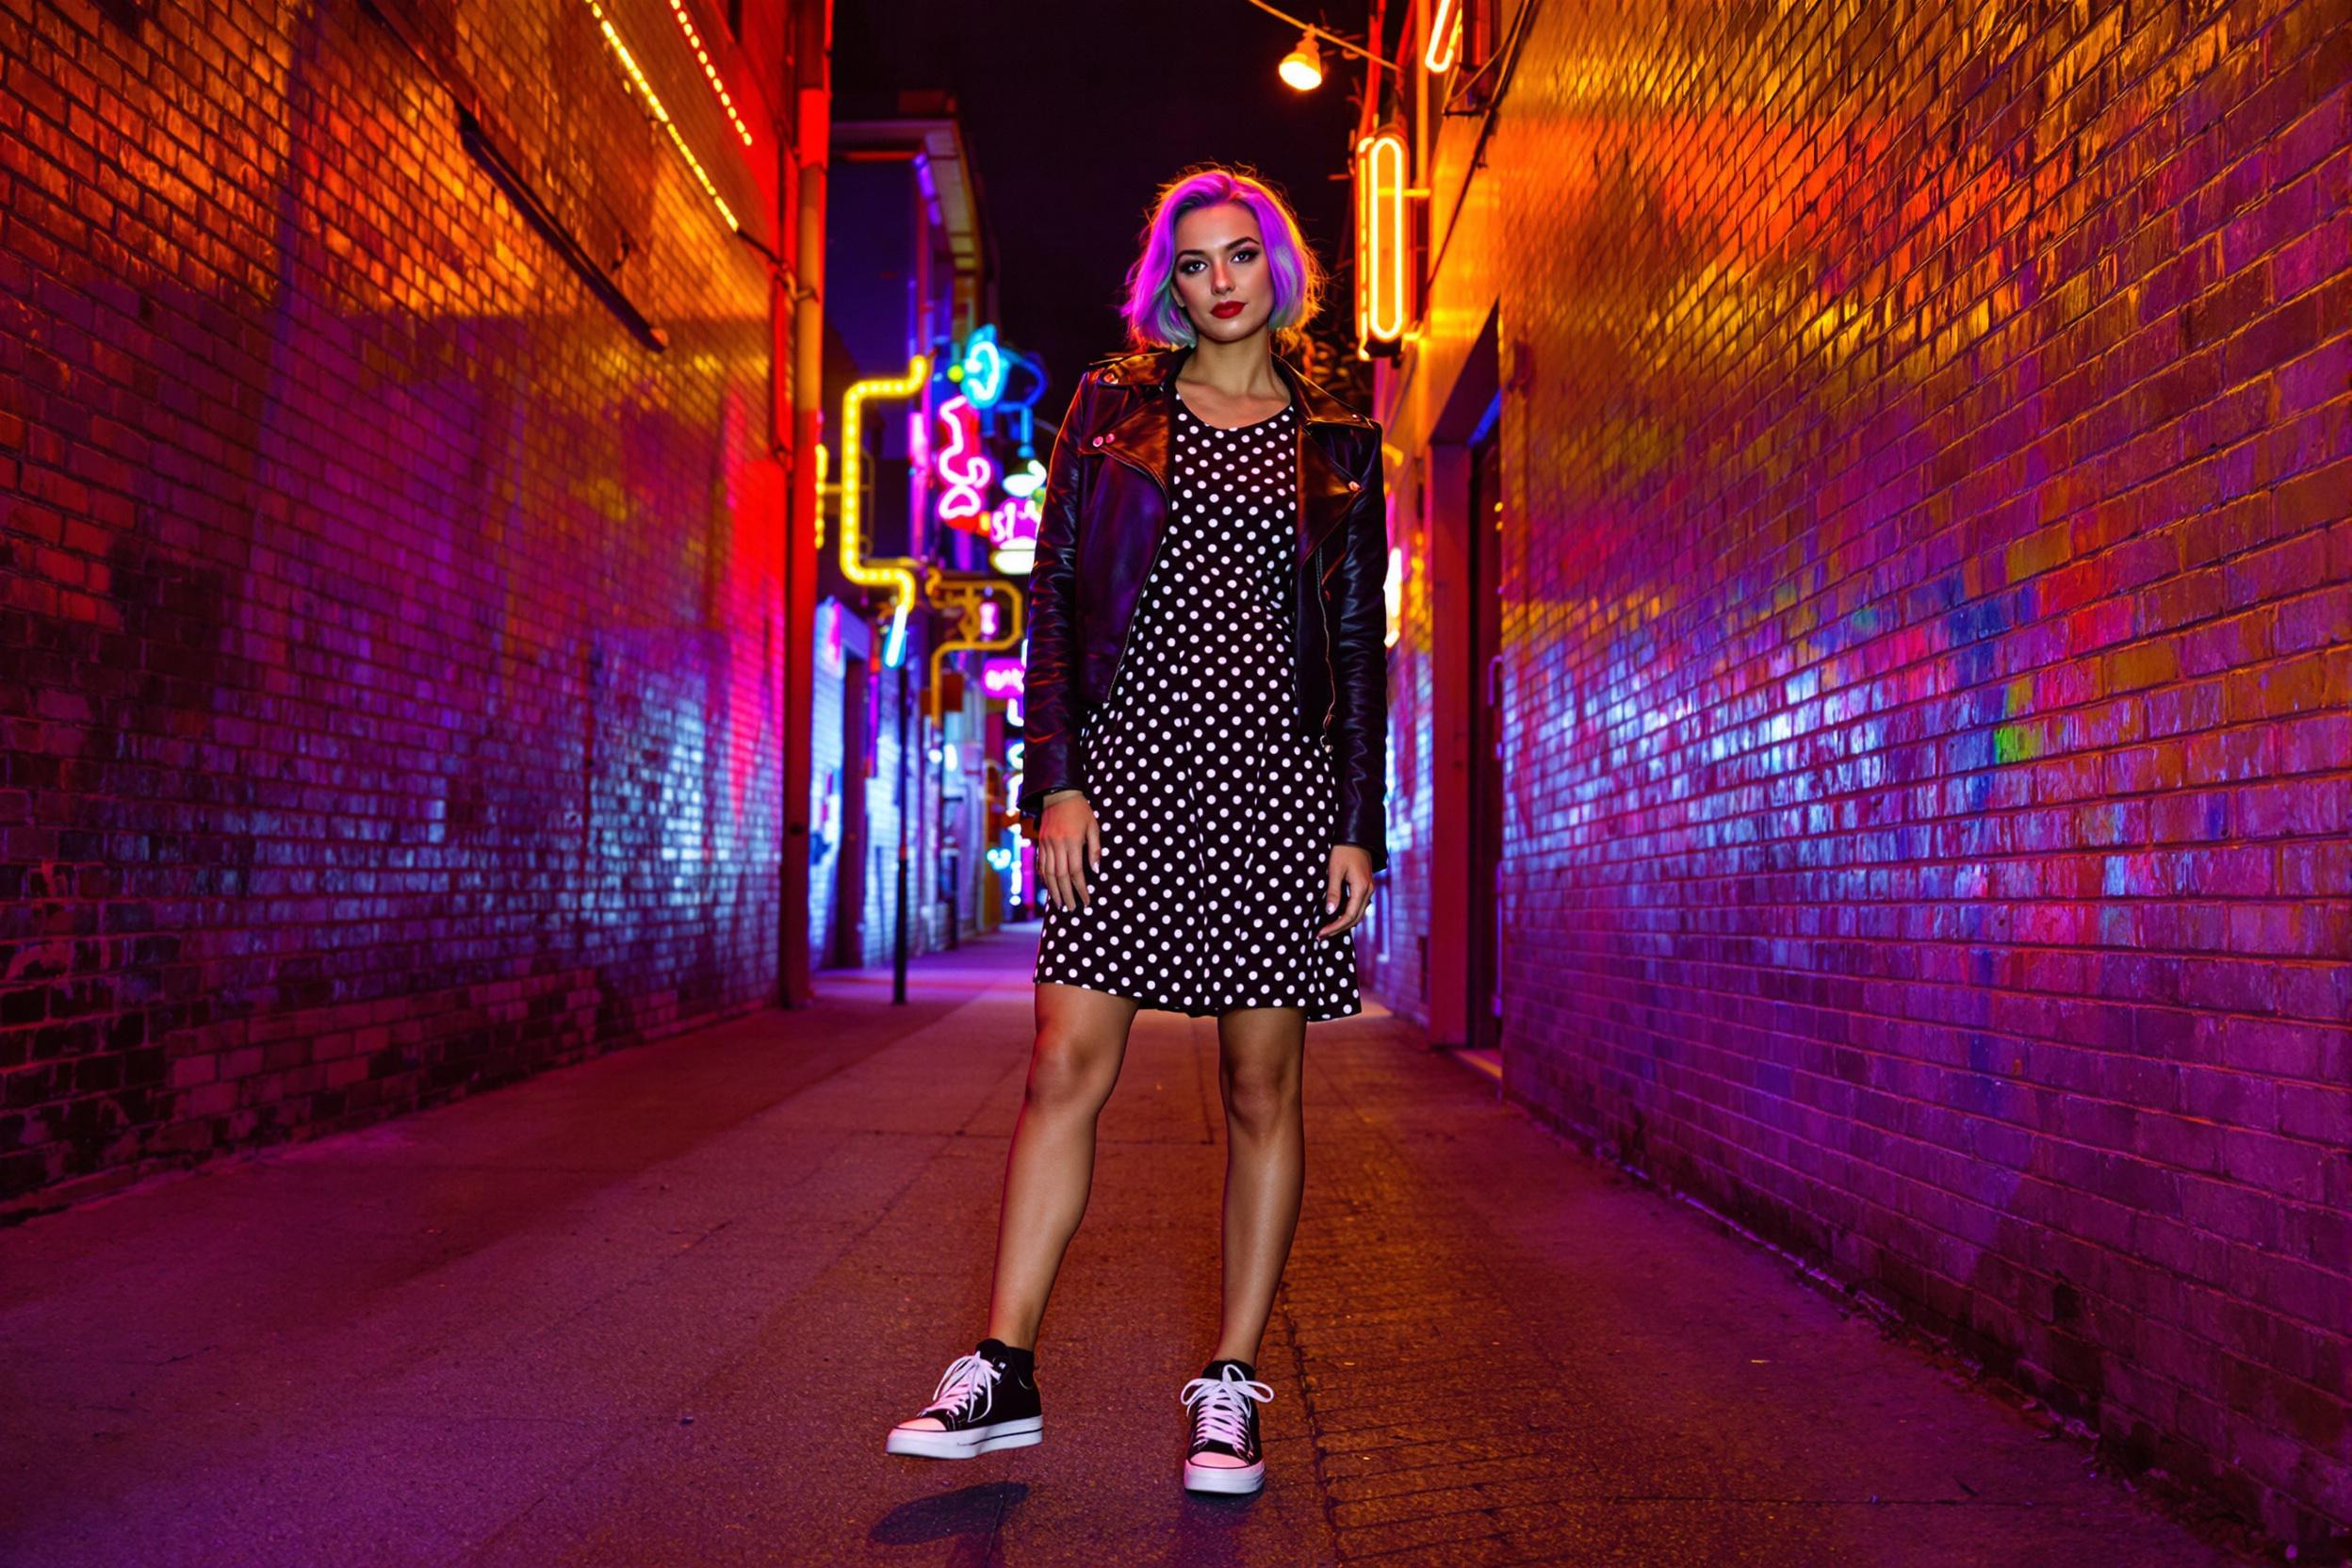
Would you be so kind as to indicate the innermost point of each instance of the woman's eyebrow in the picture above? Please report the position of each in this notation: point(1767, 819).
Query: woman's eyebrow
point(1195, 251)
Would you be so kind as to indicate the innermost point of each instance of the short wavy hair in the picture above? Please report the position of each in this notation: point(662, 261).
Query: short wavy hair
point(1155, 317)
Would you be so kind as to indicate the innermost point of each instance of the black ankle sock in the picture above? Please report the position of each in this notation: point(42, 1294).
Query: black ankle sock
point(1018, 1359)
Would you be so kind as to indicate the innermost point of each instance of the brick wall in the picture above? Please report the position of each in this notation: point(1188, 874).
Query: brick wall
point(1928, 451)
point(391, 644)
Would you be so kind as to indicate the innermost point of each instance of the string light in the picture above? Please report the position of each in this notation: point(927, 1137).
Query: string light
point(825, 488)
point(653, 100)
point(678, 9)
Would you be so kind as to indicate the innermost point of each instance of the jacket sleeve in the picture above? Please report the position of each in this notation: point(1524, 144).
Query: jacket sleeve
point(1050, 755)
point(1360, 667)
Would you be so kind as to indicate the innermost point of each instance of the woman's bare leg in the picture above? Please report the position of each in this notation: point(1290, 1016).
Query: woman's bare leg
point(1082, 1040)
point(1260, 1059)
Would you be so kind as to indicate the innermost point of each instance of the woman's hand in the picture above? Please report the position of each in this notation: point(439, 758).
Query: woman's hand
point(1070, 846)
point(1349, 876)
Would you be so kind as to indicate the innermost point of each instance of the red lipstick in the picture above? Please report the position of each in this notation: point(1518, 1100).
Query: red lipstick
point(1228, 308)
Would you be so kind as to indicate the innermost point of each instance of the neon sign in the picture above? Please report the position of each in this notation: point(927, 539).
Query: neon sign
point(1003, 383)
point(1014, 523)
point(887, 573)
point(1003, 677)
point(984, 367)
point(829, 650)
point(1444, 36)
point(965, 471)
point(1027, 480)
point(1013, 537)
point(1381, 301)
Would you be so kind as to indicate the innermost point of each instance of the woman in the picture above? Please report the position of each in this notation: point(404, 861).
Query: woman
point(1206, 718)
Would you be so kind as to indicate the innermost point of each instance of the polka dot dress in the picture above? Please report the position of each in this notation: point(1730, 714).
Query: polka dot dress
point(1217, 815)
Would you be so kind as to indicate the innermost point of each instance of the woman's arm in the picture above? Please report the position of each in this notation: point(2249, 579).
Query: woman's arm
point(1050, 756)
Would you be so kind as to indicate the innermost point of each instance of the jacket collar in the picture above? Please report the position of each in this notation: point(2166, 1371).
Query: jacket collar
point(1155, 367)
point(1140, 432)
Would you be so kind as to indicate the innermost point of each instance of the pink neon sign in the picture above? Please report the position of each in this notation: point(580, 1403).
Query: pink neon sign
point(1014, 523)
point(965, 471)
point(1002, 677)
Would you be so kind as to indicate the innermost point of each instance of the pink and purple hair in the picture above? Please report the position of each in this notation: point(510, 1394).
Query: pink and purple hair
point(1155, 317)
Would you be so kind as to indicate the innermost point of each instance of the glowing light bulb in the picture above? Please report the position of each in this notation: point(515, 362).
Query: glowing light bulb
point(1302, 68)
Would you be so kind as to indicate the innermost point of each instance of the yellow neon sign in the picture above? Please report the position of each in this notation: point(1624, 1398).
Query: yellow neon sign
point(653, 100)
point(1444, 36)
point(1382, 306)
point(896, 576)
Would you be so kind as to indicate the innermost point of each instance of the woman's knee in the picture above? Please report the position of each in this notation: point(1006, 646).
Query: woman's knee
point(1070, 1071)
point(1260, 1097)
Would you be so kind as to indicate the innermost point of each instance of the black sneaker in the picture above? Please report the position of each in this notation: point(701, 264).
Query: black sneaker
point(1224, 1455)
point(982, 1402)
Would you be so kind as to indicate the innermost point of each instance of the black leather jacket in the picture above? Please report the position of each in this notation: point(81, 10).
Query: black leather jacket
point(1104, 509)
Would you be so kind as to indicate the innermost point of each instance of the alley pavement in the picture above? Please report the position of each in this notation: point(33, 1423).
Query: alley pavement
point(659, 1308)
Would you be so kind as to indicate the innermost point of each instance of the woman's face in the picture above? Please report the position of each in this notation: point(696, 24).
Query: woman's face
point(1221, 262)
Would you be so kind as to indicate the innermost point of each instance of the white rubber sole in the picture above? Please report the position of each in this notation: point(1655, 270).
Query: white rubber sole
point(1224, 1477)
point(972, 1443)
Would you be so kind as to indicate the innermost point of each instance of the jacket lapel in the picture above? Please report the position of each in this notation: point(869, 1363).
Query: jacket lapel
point(1323, 490)
point(1141, 436)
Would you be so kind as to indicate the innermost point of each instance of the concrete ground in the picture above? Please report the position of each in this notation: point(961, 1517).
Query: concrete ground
point(659, 1308)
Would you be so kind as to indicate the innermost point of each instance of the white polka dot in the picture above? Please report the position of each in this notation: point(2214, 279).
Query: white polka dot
point(1218, 816)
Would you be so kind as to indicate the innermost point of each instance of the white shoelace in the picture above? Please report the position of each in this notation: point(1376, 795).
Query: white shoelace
point(965, 1376)
point(1222, 1404)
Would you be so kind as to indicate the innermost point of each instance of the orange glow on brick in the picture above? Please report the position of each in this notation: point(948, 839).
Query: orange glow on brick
point(694, 39)
point(1381, 251)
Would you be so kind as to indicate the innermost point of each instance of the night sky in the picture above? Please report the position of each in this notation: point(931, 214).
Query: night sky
point(1077, 110)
